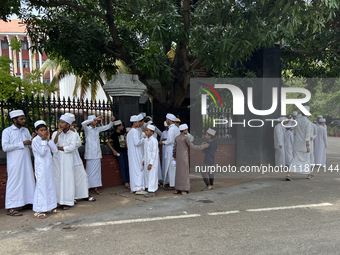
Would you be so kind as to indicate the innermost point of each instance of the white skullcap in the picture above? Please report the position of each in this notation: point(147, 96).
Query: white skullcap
point(143, 114)
point(183, 127)
point(307, 107)
point(39, 122)
point(117, 122)
point(140, 117)
point(165, 124)
point(210, 131)
point(295, 113)
point(322, 120)
point(16, 113)
point(148, 117)
point(91, 117)
point(70, 115)
point(133, 118)
point(171, 117)
point(67, 119)
point(149, 123)
point(151, 127)
point(320, 116)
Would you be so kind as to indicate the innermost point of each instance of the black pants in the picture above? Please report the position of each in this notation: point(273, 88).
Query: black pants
point(208, 177)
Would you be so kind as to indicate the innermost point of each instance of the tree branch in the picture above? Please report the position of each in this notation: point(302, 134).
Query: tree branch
point(310, 53)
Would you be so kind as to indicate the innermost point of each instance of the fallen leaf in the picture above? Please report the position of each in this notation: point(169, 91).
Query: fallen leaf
point(26, 219)
point(228, 230)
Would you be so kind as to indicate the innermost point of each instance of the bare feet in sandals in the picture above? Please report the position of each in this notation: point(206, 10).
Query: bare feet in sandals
point(97, 192)
point(13, 212)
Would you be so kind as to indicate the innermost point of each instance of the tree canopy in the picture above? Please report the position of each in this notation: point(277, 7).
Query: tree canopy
point(216, 34)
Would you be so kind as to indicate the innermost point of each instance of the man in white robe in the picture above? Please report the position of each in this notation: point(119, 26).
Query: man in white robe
point(288, 145)
point(300, 162)
point(279, 140)
point(20, 185)
point(63, 162)
point(134, 145)
point(170, 168)
point(93, 153)
point(150, 161)
point(81, 182)
point(321, 143)
point(313, 131)
point(163, 138)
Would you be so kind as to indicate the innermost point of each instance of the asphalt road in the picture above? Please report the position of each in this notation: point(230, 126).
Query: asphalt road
point(265, 216)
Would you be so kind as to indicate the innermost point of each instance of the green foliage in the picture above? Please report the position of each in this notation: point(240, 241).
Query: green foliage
point(15, 44)
point(8, 8)
point(14, 88)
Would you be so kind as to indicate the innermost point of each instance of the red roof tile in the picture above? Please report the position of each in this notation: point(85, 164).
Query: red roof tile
point(13, 26)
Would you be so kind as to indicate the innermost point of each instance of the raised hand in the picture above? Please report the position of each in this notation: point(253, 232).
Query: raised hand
point(113, 119)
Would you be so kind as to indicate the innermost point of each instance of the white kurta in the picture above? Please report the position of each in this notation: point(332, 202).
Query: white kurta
point(20, 182)
point(170, 169)
point(302, 134)
point(313, 131)
point(151, 156)
point(93, 153)
point(80, 176)
point(162, 172)
point(321, 143)
point(135, 147)
point(289, 140)
point(63, 165)
point(279, 141)
point(45, 196)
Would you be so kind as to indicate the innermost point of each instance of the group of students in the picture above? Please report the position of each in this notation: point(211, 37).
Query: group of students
point(300, 145)
point(60, 176)
point(137, 150)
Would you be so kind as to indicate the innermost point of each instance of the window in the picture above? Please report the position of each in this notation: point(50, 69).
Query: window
point(47, 81)
point(4, 45)
point(24, 45)
point(18, 64)
point(26, 64)
point(38, 64)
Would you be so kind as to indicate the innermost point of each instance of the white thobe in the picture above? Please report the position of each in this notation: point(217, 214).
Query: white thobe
point(20, 181)
point(151, 156)
point(170, 169)
point(279, 141)
point(45, 196)
point(80, 176)
point(302, 134)
point(63, 164)
point(135, 146)
point(289, 140)
point(93, 153)
point(321, 142)
point(161, 173)
point(313, 131)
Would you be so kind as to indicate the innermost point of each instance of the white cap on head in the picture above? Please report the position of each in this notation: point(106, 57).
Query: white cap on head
point(307, 108)
point(294, 113)
point(91, 117)
point(143, 114)
point(70, 115)
point(165, 124)
point(67, 119)
point(171, 117)
point(212, 132)
point(149, 123)
point(140, 117)
point(117, 122)
point(183, 127)
point(320, 116)
point(134, 118)
point(148, 117)
point(151, 127)
point(16, 113)
point(39, 122)
point(322, 120)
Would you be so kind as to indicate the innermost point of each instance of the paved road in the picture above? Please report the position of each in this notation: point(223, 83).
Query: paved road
point(265, 216)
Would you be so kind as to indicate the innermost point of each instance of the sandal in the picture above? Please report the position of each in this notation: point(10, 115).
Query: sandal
point(75, 202)
point(91, 199)
point(185, 192)
point(65, 207)
point(39, 215)
point(288, 178)
point(177, 192)
point(13, 212)
point(311, 177)
point(97, 192)
point(169, 188)
point(54, 211)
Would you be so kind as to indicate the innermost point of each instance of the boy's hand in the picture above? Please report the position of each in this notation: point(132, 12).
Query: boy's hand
point(27, 142)
point(113, 119)
point(60, 130)
point(34, 134)
point(48, 135)
point(60, 148)
point(143, 163)
point(149, 166)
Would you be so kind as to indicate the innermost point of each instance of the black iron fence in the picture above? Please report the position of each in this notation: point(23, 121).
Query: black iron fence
point(50, 110)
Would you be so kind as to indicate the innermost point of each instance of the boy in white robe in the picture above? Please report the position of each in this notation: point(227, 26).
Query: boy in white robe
point(45, 197)
point(288, 145)
point(81, 183)
point(20, 185)
point(170, 168)
point(63, 162)
point(93, 153)
point(135, 145)
point(150, 161)
point(279, 143)
point(163, 138)
point(321, 143)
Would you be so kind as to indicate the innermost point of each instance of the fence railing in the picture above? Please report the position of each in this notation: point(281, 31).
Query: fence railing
point(50, 110)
